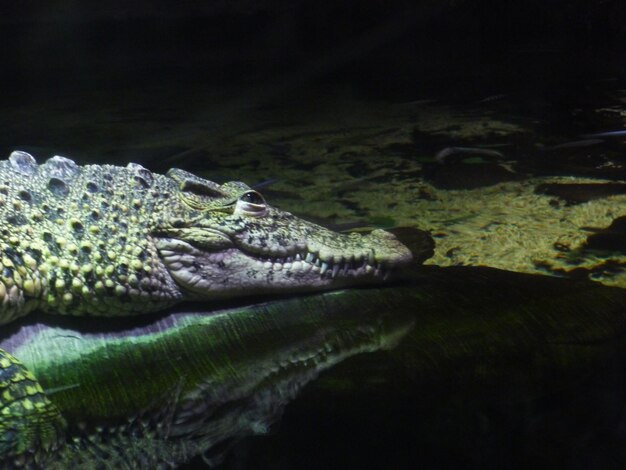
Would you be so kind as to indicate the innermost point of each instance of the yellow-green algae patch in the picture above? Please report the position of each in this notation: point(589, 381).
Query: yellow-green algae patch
point(509, 226)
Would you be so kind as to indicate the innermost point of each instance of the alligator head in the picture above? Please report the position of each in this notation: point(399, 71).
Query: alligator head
point(216, 239)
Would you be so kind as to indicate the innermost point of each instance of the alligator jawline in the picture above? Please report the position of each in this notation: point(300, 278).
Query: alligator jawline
point(180, 255)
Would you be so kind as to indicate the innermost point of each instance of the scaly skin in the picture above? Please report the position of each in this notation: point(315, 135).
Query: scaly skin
point(106, 240)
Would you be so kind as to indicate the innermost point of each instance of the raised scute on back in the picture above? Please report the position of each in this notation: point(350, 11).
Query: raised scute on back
point(23, 163)
point(143, 177)
point(60, 167)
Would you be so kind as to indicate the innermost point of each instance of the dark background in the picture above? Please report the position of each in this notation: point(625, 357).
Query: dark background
point(395, 49)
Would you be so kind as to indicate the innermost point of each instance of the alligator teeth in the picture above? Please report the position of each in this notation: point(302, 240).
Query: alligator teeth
point(382, 270)
point(349, 265)
point(323, 268)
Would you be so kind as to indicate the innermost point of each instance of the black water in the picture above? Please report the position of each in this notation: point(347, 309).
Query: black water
point(120, 81)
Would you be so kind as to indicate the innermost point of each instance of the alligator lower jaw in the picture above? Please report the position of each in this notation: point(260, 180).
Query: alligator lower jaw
point(219, 273)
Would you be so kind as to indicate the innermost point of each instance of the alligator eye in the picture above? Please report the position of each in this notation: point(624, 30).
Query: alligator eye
point(252, 197)
point(251, 203)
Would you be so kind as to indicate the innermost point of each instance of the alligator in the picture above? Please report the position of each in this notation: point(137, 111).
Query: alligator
point(110, 241)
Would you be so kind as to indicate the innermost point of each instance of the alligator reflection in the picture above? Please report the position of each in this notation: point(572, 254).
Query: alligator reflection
point(189, 383)
point(501, 369)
